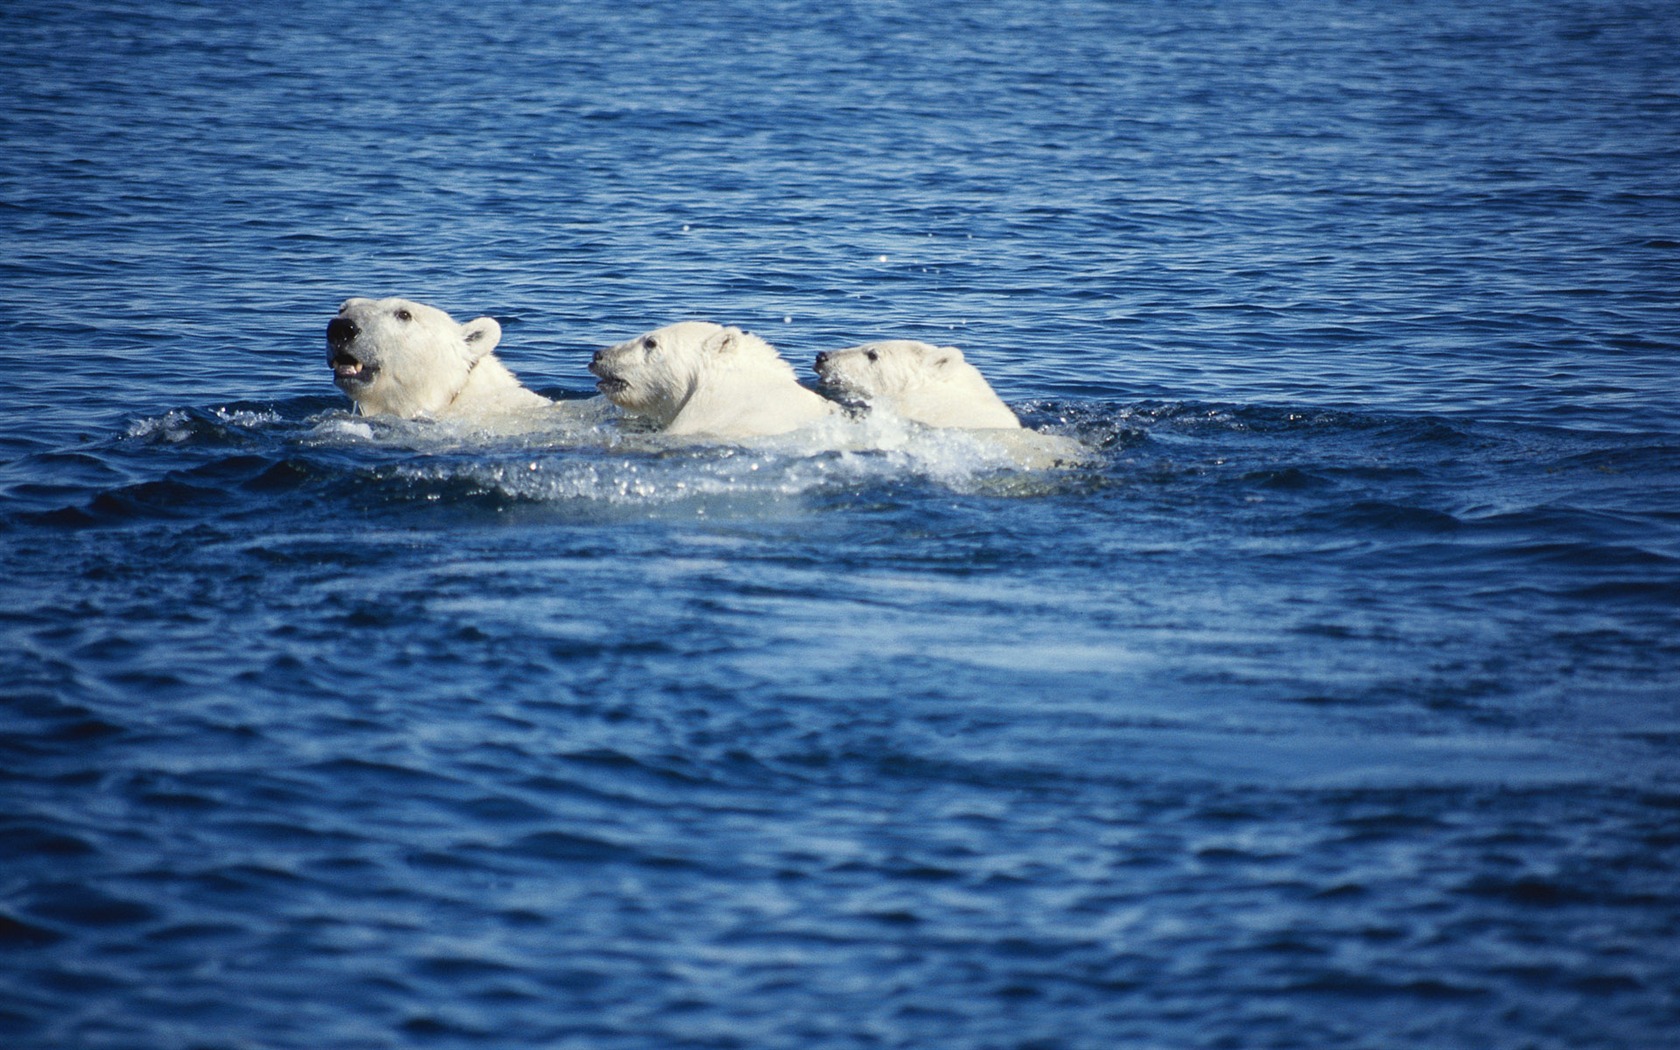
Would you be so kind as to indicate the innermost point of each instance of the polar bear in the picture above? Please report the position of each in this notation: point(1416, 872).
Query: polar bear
point(929, 384)
point(934, 386)
point(700, 378)
point(401, 358)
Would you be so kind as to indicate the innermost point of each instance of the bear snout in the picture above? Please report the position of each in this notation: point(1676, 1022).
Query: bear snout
point(341, 332)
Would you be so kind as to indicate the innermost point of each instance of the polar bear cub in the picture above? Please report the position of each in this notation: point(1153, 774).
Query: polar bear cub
point(401, 358)
point(932, 385)
point(699, 378)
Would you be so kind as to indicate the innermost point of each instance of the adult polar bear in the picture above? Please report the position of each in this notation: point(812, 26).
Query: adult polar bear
point(402, 358)
point(702, 379)
point(936, 387)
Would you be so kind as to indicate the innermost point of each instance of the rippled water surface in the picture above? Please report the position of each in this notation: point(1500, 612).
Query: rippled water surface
point(1333, 703)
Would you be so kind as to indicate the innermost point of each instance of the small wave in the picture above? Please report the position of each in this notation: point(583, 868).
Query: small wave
point(15, 933)
point(182, 425)
point(1367, 514)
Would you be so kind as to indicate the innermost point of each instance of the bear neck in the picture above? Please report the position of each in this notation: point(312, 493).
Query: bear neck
point(756, 394)
point(484, 377)
point(489, 384)
point(965, 404)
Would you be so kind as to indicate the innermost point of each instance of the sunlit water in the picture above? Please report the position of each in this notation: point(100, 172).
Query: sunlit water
point(1334, 702)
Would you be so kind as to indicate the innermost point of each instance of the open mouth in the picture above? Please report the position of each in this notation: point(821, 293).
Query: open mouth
point(349, 371)
point(834, 386)
point(605, 382)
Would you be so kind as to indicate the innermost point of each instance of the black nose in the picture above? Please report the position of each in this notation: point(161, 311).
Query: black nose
point(822, 359)
point(341, 332)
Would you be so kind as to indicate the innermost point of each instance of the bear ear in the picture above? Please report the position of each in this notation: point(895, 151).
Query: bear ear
point(946, 356)
point(726, 341)
point(481, 335)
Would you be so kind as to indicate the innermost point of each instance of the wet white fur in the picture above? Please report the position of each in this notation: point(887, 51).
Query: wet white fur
point(428, 365)
point(699, 378)
point(932, 385)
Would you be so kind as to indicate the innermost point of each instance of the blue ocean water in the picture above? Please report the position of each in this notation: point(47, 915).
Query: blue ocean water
point(1334, 704)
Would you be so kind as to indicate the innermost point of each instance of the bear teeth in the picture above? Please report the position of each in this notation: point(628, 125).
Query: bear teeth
point(348, 368)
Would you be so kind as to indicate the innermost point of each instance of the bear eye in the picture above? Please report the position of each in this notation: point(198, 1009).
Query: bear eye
point(873, 355)
point(404, 315)
point(650, 343)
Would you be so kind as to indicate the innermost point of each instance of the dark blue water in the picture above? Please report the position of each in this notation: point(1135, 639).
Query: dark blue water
point(1335, 704)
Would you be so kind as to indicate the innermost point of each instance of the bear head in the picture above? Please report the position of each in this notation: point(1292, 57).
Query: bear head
point(930, 384)
point(658, 373)
point(402, 358)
